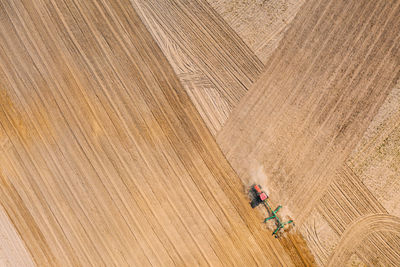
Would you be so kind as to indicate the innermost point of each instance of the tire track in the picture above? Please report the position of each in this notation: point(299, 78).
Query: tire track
point(358, 230)
point(197, 42)
point(380, 248)
point(261, 24)
point(347, 199)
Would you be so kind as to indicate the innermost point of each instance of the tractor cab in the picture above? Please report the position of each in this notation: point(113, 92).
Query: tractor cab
point(257, 195)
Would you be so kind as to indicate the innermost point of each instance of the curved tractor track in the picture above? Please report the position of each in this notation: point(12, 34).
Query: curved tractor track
point(354, 235)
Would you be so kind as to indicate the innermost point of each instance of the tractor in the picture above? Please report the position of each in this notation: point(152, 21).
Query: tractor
point(260, 197)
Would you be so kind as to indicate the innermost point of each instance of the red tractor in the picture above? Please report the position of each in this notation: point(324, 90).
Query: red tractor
point(258, 196)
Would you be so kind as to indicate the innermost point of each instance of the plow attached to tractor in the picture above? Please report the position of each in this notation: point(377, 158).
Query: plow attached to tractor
point(260, 197)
